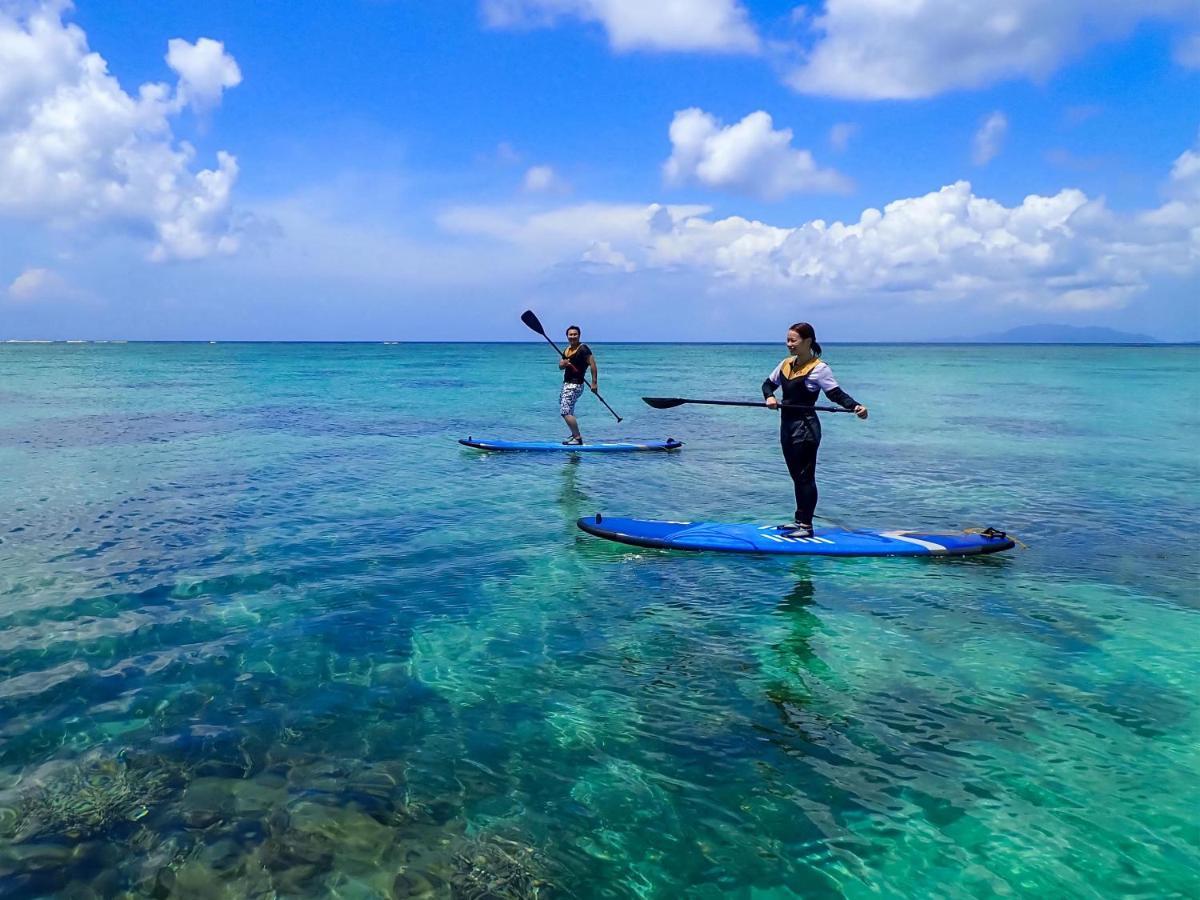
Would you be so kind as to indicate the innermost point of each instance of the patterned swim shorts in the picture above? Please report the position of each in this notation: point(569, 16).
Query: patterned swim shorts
point(569, 397)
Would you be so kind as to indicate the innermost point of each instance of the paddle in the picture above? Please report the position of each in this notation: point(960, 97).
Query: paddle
point(532, 321)
point(672, 402)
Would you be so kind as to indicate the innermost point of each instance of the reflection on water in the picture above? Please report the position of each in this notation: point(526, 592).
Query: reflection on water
point(571, 498)
point(265, 630)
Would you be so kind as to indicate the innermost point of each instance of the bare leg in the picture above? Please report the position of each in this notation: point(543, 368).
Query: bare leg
point(573, 424)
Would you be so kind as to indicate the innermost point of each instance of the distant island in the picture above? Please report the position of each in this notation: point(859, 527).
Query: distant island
point(1062, 334)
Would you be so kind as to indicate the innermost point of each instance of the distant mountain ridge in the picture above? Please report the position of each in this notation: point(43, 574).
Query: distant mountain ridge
point(1063, 334)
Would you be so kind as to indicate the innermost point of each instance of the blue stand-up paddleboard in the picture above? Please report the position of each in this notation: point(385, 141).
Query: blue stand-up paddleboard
point(554, 446)
point(773, 539)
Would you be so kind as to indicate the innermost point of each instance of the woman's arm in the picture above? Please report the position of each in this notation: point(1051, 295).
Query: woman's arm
point(823, 376)
point(770, 383)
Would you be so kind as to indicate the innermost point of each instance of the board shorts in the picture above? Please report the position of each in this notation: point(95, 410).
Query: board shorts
point(569, 397)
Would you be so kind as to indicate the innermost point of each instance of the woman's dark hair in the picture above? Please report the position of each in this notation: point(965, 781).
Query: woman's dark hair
point(806, 332)
point(575, 328)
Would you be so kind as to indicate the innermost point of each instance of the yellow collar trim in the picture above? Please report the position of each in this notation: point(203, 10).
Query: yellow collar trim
point(792, 368)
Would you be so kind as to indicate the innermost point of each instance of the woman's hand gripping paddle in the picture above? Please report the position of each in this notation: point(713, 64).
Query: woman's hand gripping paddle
point(531, 320)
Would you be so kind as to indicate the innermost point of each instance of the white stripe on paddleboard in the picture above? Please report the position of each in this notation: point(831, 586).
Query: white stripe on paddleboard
point(901, 536)
point(780, 539)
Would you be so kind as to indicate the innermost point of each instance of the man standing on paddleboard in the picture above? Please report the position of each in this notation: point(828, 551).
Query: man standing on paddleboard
point(576, 360)
point(803, 376)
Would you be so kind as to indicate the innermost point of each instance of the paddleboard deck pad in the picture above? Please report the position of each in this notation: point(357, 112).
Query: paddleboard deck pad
point(555, 446)
point(771, 539)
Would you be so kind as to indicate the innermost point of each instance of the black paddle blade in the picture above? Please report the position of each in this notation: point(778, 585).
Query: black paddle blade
point(532, 321)
point(663, 402)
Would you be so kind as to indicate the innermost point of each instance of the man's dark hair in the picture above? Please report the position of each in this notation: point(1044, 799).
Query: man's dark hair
point(574, 328)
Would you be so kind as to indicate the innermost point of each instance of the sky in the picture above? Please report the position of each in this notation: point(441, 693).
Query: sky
point(698, 170)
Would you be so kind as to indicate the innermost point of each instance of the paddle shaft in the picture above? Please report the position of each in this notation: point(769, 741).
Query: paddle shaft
point(679, 401)
point(535, 324)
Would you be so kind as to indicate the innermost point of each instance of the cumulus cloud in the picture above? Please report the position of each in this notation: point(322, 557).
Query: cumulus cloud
point(891, 49)
point(1185, 175)
point(77, 151)
point(750, 157)
point(1181, 213)
point(205, 71)
point(707, 25)
point(543, 180)
point(602, 255)
point(36, 284)
point(1065, 251)
point(988, 138)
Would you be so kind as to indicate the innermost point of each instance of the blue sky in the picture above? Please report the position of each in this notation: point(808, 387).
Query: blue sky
point(693, 169)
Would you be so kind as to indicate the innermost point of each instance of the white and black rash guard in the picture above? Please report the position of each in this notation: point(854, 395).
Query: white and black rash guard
point(803, 383)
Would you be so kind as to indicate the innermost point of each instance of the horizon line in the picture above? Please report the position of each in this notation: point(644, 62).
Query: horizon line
point(384, 342)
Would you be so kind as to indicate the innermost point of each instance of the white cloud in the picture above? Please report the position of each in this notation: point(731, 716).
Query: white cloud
point(602, 255)
point(840, 135)
point(1182, 210)
point(708, 25)
point(1187, 51)
point(36, 284)
point(205, 70)
point(1185, 175)
point(78, 152)
point(899, 49)
point(1065, 251)
point(543, 180)
point(987, 140)
point(563, 235)
point(750, 157)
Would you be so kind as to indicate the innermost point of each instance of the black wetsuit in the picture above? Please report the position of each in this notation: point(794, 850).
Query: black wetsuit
point(799, 429)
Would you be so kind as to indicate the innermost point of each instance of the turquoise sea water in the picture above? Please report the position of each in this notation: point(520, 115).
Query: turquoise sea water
point(267, 630)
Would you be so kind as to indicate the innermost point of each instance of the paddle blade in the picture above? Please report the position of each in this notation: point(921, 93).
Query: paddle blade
point(663, 402)
point(532, 321)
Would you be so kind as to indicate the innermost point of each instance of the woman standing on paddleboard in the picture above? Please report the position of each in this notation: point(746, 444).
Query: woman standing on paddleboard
point(576, 359)
point(803, 375)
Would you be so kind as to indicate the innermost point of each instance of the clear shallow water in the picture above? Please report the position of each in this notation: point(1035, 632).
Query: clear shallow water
point(264, 627)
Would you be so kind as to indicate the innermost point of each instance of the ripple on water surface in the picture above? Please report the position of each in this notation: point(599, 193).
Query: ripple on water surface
point(266, 629)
